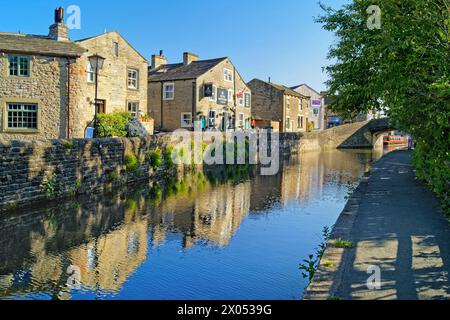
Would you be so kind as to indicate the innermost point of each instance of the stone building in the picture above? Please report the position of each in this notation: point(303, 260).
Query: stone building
point(35, 73)
point(318, 112)
point(276, 103)
point(47, 85)
point(211, 92)
point(122, 82)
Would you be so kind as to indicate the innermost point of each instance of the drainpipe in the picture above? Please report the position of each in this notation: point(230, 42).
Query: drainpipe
point(162, 106)
point(194, 102)
point(69, 62)
point(235, 102)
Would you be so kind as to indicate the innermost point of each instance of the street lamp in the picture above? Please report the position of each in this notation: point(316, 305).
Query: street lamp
point(96, 62)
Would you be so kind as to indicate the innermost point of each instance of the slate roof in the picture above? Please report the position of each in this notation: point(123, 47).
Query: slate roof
point(282, 88)
point(304, 84)
point(286, 90)
point(39, 45)
point(179, 71)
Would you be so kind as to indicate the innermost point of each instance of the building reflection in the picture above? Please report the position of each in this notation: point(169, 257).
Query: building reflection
point(109, 238)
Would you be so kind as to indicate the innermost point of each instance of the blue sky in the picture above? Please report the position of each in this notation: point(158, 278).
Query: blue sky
point(276, 38)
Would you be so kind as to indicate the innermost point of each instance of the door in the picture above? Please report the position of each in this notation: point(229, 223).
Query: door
point(225, 121)
point(101, 106)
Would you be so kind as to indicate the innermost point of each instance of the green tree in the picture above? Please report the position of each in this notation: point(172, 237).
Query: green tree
point(403, 66)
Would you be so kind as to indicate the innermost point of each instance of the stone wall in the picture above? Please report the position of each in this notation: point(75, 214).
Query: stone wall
point(47, 87)
point(270, 103)
point(267, 102)
point(112, 81)
point(34, 171)
point(39, 170)
point(188, 89)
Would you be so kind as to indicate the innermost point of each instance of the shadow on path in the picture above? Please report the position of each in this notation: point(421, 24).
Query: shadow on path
point(399, 228)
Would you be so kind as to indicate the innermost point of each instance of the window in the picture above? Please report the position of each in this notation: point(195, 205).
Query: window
point(213, 95)
point(22, 116)
point(133, 78)
point(288, 102)
point(230, 97)
point(288, 123)
point(169, 91)
point(19, 66)
point(186, 120)
point(300, 122)
point(90, 72)
point(316, 111)
point(300, 106)
point(228, 75)
point(116, 49)
point(248, 100)
point(241, 120)
point(212, 118)
point(133, 109)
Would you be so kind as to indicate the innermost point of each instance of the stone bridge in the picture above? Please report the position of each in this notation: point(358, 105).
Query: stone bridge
point(369, 135)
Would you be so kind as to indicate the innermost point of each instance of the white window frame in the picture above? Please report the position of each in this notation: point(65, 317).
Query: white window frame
point(214, 118)
point(134, 113)
point(288, 123)
point(20, 117)
point(288, 102)
point(301, 121)
point(18, 66)
point(184, 122)
point(300, 104)
point(214, 94)
point(165, 91)
point(90, 72)
point(249, 101)
point(241, 120)
point(228, 75)
point(131, 79)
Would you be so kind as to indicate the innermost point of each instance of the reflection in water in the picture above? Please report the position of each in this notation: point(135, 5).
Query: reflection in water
point(198, 240)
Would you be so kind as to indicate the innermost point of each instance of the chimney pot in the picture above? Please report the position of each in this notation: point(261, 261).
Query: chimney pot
point(59, 15)
point(59, 31)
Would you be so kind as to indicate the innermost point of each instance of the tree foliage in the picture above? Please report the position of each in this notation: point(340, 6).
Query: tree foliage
point(403, 67)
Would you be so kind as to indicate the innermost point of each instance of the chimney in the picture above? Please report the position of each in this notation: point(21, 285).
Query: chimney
point(188, 58)
point(59, 31)
point(158, 60)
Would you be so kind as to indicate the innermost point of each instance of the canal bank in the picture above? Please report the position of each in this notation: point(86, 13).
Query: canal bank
point(391, 230)
point(39, 171)
point(202, 239)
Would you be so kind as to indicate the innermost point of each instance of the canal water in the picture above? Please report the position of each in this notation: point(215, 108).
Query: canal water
point(232, 238)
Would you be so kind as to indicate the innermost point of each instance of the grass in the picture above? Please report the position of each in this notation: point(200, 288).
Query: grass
point(154, 158)
point(339, 243)
point(69, 145)
point(131, 162)
point(328, 264)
